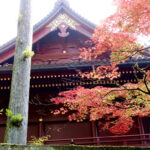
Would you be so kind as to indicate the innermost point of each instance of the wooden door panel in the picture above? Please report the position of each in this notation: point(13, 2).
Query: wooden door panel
point(62, 130)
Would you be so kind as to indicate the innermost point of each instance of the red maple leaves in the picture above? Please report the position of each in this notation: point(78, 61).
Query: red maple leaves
point(116, 105)
point(117, 35)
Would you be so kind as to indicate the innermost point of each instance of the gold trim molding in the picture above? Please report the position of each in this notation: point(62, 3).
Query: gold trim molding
point(63, 18)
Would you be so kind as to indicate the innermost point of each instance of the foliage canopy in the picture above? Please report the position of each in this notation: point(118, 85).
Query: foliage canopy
point(116, 35)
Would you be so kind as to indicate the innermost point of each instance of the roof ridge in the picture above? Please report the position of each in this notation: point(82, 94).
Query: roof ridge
point(62, 2)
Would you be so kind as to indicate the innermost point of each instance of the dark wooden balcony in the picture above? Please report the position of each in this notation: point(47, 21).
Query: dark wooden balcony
point(124, 140)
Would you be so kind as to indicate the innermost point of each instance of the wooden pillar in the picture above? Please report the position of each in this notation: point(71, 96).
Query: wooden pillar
point(40, 127)
point(93, 123)
point(141, 129)
point(93, 129)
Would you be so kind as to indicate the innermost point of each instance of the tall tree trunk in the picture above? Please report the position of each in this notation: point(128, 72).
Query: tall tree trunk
point(19, 96)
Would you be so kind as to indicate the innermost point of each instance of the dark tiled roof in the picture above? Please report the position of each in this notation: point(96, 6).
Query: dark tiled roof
point(57, 65)
point(74, 65)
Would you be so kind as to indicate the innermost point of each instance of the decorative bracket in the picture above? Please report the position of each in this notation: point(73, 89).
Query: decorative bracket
point(63, 30)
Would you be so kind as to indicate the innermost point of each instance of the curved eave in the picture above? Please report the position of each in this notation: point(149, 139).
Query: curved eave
point(10, 44)
point(62, 8)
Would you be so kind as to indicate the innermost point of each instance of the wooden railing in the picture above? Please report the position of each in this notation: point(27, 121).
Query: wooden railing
point(127, 140)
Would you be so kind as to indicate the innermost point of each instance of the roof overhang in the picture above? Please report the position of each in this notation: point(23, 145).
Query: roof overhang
point(45, 26)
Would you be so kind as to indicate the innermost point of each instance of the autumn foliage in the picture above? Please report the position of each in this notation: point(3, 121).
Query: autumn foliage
point(116, 35)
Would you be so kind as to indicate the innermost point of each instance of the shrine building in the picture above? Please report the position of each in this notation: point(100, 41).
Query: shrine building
point(57, 40)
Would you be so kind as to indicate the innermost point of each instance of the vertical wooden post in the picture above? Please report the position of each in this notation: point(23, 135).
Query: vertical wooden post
point(94, 131)
point(141, 129)
point(40, 127)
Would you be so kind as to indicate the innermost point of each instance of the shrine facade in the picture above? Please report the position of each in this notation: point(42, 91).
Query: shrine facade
point(57, 40)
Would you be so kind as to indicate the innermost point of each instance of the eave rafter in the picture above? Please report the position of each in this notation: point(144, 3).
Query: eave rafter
point(73, 80)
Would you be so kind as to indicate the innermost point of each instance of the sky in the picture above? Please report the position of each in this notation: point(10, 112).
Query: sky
point(92, 10)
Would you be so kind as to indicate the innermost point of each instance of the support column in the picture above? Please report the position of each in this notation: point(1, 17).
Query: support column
point(40, 127)
point(141, 129)
point(93, 129)
point(93, 123)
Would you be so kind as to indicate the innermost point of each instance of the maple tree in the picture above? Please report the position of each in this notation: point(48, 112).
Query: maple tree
point(116, 35)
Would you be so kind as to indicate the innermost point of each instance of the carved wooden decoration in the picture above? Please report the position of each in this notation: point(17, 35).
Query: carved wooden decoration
point(63, 30)
point(63, 21)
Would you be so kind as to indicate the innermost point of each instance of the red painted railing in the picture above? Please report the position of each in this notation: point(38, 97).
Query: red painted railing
point(130, 140)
